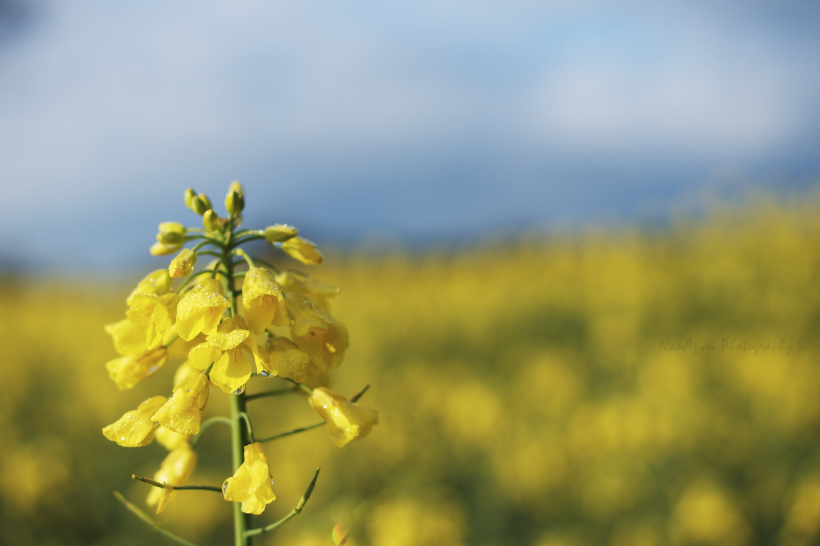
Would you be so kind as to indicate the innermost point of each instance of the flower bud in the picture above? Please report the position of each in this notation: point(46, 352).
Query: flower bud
point(190, 195)
point(171, 233)
point(205, 201)
point(159, 249)
point(279, 233)
point(234, 202)
point(183, 265)
point(211, 220)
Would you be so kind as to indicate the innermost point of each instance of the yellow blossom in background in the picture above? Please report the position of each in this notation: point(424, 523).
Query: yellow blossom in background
point(263, 301)
point(183, 264)
point(316, 332)
point(346, 421)
point(251, 484)
point(175, 470)
point(127, 371)
point(303, 250)
point(169, 439)
point(286, 360)
point(228, 349)
point(135, 428)
point(183, 412)
point(157, 282)
point(201, 309)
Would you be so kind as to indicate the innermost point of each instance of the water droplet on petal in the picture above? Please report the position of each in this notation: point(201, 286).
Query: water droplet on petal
point(240, 390)
point(266, 373)
point(224, 488)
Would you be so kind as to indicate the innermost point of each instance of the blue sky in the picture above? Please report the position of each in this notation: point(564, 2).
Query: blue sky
point(421, 122)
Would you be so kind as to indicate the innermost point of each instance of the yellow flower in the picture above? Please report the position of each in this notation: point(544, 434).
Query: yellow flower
point(174, 471)
point(129, 338)
point(286, 360)
point(201, 309)
point(154, 313)
point(169, 439)
point(135, 428)
point(227, 348)
point(303, 250)
point(263, 301)
point(158, 282)
point(346, 421)
point(251, 485)
point(127, 371)
point(179, 348)
point(183, 412)
point(318, 291)
point(183, 264)
point(316, 332)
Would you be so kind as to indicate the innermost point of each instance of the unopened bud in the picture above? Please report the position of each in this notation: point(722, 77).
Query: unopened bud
point(237, 187)
point(211, 220)
point(190, 195)
point(303, 250)
point(234, 202)
point(206, 201)
point(199, 206)
point(171, 233)
point(278, 233)
point(183, 264)
point(159, 249)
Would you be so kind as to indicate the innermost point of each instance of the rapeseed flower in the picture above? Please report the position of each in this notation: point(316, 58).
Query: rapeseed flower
point(346, 420)
point(286, 360)
point(263, 300)
point(127, 371)
point(135, 428)
point(154, 313)
point(316, 332)
point(174, 471)
point(183, 412)
point(318, 291)
point(251, 484)
point(228, 349)
point(201, 309)
point(158, 282)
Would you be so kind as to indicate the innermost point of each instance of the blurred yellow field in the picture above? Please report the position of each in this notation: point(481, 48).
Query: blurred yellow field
point(614, 387)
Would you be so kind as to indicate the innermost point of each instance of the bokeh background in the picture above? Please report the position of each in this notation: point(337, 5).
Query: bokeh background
point(577, 243)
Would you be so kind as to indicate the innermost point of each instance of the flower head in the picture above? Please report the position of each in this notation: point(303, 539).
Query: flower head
point(135, 428)
point(183, 412)
point(303, 250)
point(127, 371)
point(346, 421)
point(174, 471)
point(201, 309)
point(228, 349)
point(316, 332)
point(286, 360)
point(263, 301)
point(251, 484)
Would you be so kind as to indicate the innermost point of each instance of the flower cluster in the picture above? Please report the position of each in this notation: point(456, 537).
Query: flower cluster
point(235, 319)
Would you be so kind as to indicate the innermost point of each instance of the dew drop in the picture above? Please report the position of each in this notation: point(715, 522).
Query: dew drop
point(266, 373)
point(224, 488)
point(271, 482)
point(240, 390)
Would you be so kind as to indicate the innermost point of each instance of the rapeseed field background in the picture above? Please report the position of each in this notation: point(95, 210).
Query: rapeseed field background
point(618, 387)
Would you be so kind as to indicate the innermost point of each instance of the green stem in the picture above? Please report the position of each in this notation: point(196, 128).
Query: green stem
point(170, 342)
point(295, 512)
point(147, 519)
point(289, 433)
point(243, 240)
point(360, 394)
point(244, 255)
point(271, 393)
point(177, 487)
point(239, 439)
point(209, 253)
point(206, 425)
